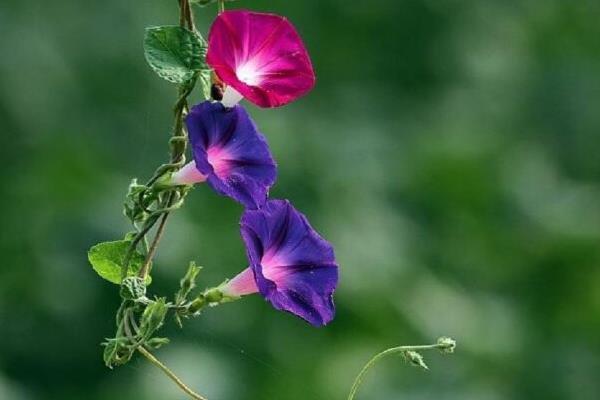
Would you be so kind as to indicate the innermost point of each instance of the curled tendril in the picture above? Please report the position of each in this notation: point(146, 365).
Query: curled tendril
point(410, 353)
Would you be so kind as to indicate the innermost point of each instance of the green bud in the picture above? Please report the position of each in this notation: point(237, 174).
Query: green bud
point(153, 317)
point(446, 344)
point(196, 305)
point(415, 359)
point(187, 283)
point(133, 288)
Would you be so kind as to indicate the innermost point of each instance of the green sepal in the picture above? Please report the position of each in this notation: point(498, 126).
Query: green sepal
point(157, 342)
point(107, 259)
point(175, 53)
point(131, 208)
point(187, 283)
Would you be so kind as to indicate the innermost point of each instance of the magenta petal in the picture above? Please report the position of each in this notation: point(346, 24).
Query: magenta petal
point(261, 56)
point(294, 267)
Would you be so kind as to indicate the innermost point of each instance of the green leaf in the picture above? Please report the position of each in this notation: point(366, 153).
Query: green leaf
point(116, 352)
point(175, 53)
point(107, 259)
point(133, 288)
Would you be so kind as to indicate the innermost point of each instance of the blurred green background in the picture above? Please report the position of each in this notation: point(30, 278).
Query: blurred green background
point(450, 151)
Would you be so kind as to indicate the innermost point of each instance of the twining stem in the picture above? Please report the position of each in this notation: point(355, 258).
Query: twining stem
point(143, 272)
point(133, 245)
point(185, 15)
point(177, 154)
point(170, 374)
point(390, 351)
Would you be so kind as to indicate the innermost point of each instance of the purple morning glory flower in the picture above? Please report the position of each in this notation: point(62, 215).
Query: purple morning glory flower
point(229, 152)
point(291, 265)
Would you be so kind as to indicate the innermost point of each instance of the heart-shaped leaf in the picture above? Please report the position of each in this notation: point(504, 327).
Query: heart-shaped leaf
point(175, 53)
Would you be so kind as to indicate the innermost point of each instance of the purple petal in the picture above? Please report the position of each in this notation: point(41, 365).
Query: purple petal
point(228, 148)
point(294, 267)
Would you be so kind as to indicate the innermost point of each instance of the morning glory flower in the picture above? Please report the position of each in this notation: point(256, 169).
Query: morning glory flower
point(260, 57)
point(291, 265)
point(229, 152)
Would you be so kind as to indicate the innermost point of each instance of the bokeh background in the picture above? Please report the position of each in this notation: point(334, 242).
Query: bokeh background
point(450, 151)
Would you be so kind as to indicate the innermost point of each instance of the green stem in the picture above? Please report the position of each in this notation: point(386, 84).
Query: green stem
point(393, 350)
point(221, 6)
point(134, 243)
point(170, 374)
point(143, 272)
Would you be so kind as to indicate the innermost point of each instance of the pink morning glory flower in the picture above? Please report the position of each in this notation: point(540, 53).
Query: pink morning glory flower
point(229, 152)
point(260, 57)
point(291, 265)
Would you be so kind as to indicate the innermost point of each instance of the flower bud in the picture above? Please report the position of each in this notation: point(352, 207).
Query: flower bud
point(415, 359)
point(197, 305)
point(446, 344)
point(187, 283)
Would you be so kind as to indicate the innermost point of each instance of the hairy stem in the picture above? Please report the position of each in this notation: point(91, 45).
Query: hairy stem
point(134, 243)
point(143, 272)
point(170, 374)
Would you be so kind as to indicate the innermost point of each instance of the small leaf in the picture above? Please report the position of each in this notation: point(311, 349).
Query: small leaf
point(116, 352)
point(175, 53)
point(133, 288)
point(107, 259)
